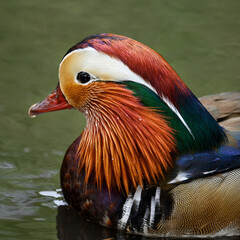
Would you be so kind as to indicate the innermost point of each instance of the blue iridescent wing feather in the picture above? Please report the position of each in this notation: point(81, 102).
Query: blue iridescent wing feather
point(192, 166)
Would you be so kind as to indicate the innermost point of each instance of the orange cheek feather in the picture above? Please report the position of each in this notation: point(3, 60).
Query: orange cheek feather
point(77, 95)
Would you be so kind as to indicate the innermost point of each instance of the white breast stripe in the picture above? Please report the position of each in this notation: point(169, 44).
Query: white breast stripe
point(145, 221)
point(152, 211)
point(127, 207)
point(137, 197)
point(126, 212)
point(157, 196)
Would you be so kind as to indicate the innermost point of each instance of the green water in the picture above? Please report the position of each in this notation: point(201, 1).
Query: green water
point(200, 39)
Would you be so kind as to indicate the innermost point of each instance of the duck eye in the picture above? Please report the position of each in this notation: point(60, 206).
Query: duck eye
point(83, 77)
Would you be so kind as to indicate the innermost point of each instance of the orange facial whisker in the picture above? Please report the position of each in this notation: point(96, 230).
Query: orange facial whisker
point(124, 144)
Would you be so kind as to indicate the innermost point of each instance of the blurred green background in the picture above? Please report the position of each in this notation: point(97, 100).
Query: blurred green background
point(200, 39)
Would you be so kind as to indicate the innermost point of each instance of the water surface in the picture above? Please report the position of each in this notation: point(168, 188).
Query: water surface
point(200, 39)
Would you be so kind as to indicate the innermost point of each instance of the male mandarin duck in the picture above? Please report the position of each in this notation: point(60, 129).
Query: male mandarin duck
point(151, 160)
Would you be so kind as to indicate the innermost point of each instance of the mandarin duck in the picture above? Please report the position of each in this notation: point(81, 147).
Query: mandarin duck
point(151, 159)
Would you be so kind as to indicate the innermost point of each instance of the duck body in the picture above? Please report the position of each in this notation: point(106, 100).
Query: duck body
point(200, 197)
point(151, 160)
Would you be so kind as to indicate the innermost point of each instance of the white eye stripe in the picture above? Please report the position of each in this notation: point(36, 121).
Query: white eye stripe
point(100, 64)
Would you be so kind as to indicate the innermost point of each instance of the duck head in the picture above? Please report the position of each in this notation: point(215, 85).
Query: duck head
point(109, 57)
point(140, 114)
